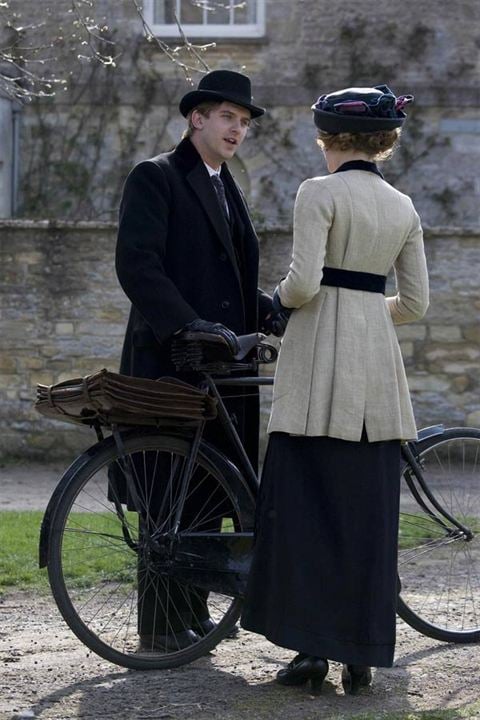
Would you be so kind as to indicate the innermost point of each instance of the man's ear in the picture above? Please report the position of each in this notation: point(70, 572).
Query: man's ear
point(197, 120)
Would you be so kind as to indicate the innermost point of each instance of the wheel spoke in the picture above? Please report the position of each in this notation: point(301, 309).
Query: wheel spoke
point(440, 572)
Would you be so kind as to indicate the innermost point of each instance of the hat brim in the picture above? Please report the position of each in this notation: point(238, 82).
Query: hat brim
point(195, 97)
point(333, 123)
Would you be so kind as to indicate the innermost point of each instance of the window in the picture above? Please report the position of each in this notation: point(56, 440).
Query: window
point(206, 18)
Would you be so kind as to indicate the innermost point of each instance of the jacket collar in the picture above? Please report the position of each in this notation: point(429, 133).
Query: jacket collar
point(360, 165)
point(198, 178)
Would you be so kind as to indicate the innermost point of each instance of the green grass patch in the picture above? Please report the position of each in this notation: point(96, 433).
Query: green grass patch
point(94, 550)
point(19, 536)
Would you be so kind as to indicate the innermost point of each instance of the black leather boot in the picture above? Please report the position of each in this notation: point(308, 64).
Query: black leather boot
point(304, 668)
point(355, 677)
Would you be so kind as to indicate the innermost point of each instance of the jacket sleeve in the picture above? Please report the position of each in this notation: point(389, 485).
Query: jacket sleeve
point(312, 218)
point(411, 275)
point(141, 250)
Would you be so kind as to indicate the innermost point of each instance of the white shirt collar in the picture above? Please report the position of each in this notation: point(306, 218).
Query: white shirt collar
point(211, 171)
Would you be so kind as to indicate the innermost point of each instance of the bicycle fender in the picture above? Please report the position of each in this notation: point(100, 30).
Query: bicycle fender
point(429, 432)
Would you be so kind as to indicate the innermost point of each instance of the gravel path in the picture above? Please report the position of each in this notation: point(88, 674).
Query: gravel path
point(46, 672)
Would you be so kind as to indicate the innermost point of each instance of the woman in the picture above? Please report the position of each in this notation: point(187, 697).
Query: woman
point(323, 580)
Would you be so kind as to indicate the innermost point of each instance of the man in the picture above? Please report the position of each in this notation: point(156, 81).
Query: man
point(187, 257)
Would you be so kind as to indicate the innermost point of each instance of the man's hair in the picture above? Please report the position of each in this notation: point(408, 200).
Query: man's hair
point(378, 145)
point(204, 109)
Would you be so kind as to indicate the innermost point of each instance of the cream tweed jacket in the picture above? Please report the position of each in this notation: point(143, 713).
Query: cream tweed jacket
point(340, 364)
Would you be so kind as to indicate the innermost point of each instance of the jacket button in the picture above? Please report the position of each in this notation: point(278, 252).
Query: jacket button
point(225, 304)
point(223, 257)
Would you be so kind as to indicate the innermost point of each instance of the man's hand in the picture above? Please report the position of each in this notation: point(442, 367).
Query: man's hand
point(216, 329)
point(276, 321)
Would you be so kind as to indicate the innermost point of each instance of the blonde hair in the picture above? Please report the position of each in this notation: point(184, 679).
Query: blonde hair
point(379, 145)
point(204, 109)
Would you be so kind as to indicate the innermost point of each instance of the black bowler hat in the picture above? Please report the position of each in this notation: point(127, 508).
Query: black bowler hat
point(360, 110)
point(220, 86)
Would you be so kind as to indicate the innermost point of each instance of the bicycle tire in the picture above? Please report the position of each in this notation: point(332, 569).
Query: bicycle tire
point(91, 568)
point(439, 568)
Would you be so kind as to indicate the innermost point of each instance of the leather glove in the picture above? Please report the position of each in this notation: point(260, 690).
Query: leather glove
point(276, 321)
point(216, 329)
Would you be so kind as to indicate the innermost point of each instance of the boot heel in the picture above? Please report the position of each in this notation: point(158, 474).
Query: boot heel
point(318, 675)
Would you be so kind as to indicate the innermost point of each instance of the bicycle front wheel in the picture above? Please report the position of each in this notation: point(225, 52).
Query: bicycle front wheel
point(439, 565)
point(113, 566)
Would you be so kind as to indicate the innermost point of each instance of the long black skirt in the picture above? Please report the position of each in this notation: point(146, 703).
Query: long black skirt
point(323, 579)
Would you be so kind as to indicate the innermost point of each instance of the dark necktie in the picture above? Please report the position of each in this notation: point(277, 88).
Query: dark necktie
point(222, 198)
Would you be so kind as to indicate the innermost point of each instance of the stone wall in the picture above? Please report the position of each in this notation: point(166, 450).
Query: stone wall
point(62, 314)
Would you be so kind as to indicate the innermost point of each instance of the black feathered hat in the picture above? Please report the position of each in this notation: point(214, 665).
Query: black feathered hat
point(360, 110)
point(221, 85)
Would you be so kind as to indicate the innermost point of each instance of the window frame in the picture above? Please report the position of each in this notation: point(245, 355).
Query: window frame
point(220, 31)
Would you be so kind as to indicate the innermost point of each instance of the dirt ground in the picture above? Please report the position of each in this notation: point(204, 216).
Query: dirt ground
point(46, 672)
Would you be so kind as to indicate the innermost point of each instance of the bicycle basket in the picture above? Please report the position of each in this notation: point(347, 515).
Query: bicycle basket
point(107, 397)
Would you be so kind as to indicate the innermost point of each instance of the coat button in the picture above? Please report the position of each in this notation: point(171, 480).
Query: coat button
point(225, 304)
point(223, 257)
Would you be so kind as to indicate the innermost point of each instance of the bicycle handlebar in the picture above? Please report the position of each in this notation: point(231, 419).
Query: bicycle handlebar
point(206, 352)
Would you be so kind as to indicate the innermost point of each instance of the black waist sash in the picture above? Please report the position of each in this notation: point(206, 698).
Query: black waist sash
point(353, 280)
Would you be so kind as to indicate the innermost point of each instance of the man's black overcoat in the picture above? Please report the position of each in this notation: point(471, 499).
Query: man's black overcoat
point(178, 259)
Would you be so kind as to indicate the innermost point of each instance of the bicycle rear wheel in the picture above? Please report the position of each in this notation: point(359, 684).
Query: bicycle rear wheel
point(113, 569)
point(439, 566)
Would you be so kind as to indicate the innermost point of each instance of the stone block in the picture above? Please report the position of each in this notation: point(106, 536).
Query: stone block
point(30, 258)
point(407, 348)
point(411, 332)
point(473, 419)
point(452, 351)
point(472, 332)
point(424, 382)
point(32, 363)
point(64, 328)
point(459, 368)
point(445, 333)
point(101, 329)
point(461, 383)
point(43, 377)
point(9, 380)
point(7, 363)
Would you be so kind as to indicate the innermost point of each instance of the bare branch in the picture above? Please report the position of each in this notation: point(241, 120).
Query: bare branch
point(172, 53)
point(93, 34)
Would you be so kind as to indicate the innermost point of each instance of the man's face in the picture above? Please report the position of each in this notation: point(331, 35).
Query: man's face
point(218, 136)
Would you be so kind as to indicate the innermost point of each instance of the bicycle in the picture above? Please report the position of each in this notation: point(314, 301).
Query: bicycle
point(102, 553)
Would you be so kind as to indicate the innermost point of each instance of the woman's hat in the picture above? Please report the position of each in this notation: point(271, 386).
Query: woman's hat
point(360, 110)
point(221, 85)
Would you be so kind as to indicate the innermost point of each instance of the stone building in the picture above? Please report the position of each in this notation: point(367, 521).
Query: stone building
point(63, 161)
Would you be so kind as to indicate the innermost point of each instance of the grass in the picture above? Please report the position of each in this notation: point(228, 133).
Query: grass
point(19, 539)
point(90, 563)
point(19, 536)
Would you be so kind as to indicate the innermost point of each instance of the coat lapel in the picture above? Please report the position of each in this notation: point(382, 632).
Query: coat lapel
point(198, 179)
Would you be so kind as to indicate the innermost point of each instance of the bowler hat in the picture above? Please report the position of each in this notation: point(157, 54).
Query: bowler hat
point(220, 86)
point(360, 110)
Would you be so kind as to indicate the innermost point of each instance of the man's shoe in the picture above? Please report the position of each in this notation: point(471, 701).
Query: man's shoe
point(168, 643)
point(204, 627)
